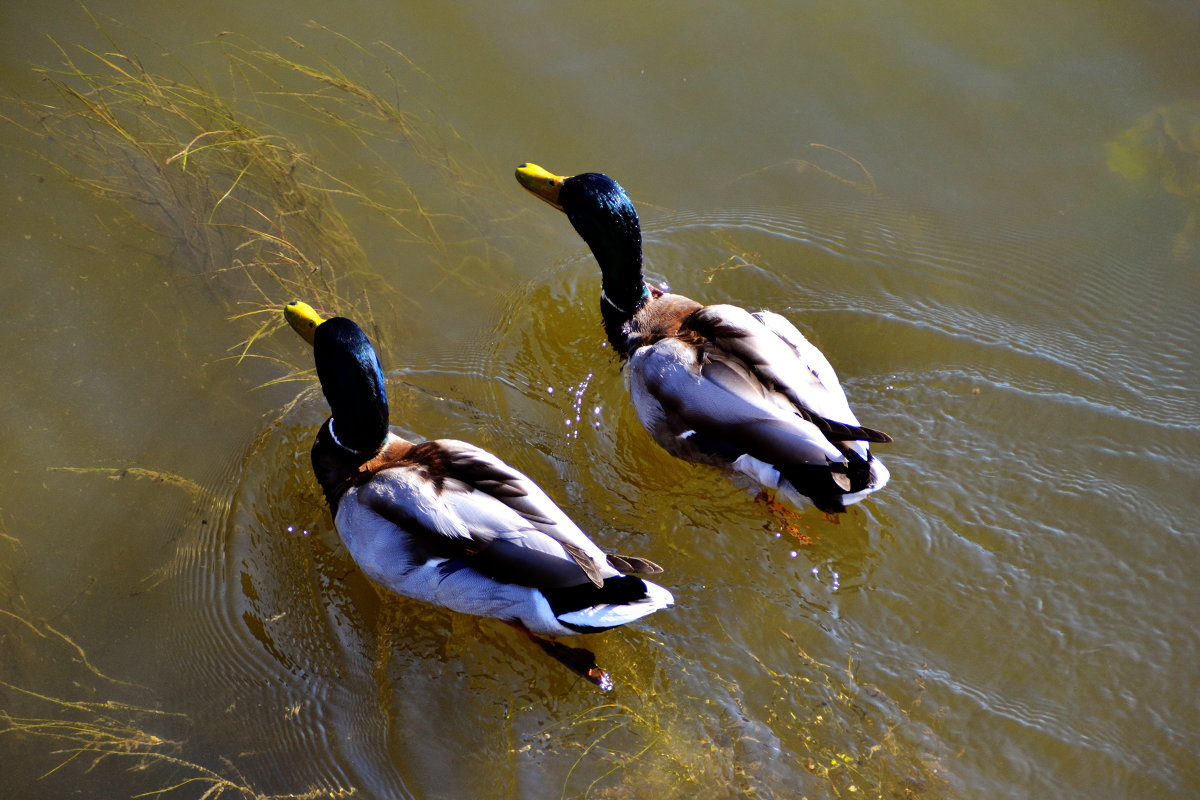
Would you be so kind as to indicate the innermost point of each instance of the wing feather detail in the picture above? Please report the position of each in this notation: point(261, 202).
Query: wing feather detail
point(458, 496)
point(782, 360)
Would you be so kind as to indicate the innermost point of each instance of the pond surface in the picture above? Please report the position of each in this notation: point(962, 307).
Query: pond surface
point(986, 215)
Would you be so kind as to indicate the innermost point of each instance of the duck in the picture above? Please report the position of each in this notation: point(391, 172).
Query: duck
point(448, 523)
point(717, 384)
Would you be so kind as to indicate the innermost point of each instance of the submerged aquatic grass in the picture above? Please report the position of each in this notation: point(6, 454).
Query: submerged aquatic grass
point(813, 719)
point(194, 491)
point(68, 727)
point(246, 209)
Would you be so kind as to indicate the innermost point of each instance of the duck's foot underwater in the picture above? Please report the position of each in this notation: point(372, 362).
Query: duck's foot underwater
point(579, 660)
point(786, 520)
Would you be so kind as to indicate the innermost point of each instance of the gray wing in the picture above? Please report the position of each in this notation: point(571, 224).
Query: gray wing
point(487, 473)
point(509, 520)
point(779, 357)
point(723, 408)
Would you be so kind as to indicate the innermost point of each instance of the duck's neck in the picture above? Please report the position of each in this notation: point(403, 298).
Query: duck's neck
point(352, 381)
point(358, 437)
point(621, 306)
point(359, 423)
point(338, 467)
point(613, 233)
point(624, 290)
point(618, 315)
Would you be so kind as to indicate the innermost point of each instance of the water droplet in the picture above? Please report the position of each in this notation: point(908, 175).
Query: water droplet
point(549, 390)
point(793, 553)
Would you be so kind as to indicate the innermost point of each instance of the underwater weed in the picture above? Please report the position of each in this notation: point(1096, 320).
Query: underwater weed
point(247, 211)
point(67, 725)
point(247, 208)
point(846, 737)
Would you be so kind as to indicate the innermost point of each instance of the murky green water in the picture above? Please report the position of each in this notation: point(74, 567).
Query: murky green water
point(943, 196)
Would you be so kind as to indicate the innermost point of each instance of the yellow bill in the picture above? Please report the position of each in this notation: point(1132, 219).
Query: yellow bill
point(303, 318)
point(541, 183)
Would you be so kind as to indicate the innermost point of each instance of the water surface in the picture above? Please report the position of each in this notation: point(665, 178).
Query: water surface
point(938, 194)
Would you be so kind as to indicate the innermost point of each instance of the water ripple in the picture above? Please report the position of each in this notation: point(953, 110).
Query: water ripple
point(1085, 314)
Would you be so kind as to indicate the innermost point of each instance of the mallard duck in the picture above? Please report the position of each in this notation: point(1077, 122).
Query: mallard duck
point(448, 523)
point(717, 384)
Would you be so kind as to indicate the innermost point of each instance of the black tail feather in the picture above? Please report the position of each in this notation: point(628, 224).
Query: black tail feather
point(858, 470)
point(617, 590)
point(815, 481)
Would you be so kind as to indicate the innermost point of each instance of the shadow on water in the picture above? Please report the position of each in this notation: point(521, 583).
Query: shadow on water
point(292, 675)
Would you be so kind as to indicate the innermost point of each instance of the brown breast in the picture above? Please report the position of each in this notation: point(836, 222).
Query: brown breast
point(337, 470)
point(662, 316)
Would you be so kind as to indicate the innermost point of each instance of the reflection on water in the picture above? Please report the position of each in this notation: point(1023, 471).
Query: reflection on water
point(1011, 618)
point(1163, 147)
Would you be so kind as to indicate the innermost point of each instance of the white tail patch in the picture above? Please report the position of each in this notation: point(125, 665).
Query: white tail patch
point(608, 615)
point(879, 479)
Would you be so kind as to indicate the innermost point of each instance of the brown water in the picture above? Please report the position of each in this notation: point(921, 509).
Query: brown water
point(1011, 298)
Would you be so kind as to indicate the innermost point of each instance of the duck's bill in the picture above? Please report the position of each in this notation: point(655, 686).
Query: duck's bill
point(303, 318)
point(545, 185)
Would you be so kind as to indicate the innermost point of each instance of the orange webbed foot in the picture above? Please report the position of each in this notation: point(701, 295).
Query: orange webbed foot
point(784, 519)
